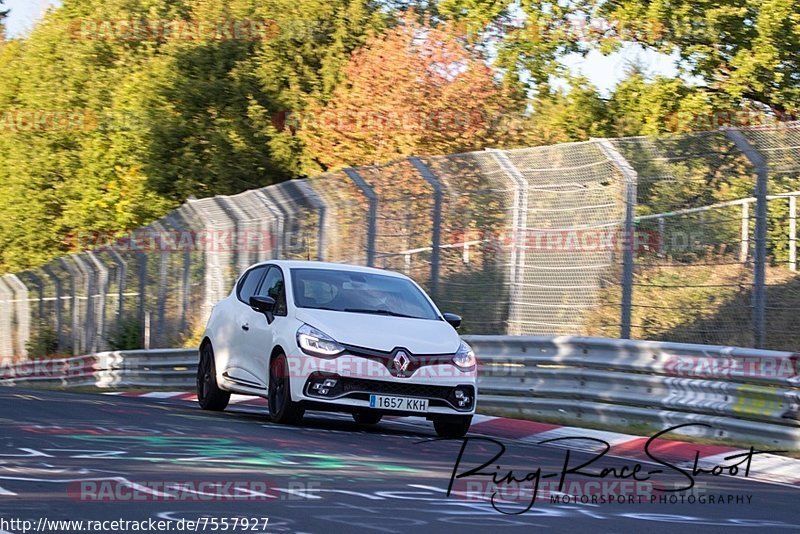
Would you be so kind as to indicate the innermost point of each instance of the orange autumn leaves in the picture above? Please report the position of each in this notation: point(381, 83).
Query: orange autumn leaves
point(413, 90)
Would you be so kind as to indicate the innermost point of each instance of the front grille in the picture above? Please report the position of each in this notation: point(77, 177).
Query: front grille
point(350, 385)
point(416, 361)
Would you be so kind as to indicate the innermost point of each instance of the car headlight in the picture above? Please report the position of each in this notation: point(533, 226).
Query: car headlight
point(464, 358)
point(317, 343)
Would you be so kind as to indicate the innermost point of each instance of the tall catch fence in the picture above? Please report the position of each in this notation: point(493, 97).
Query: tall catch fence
point(687, 238)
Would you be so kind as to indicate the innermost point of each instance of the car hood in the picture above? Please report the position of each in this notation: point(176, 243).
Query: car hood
point(382, 332)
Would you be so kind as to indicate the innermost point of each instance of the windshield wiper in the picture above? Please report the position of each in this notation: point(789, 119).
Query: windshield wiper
point(380, 312)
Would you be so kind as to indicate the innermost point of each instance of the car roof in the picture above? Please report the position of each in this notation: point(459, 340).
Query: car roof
point(300, 264)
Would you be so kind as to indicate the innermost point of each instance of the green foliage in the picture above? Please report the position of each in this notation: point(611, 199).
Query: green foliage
point(572, 115)
point(743, 49)
point(43, 342)
point(159, 119)
point(739, 51)
point(127, 334)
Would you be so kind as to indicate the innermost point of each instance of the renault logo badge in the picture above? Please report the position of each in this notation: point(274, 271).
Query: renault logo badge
point(401, 361)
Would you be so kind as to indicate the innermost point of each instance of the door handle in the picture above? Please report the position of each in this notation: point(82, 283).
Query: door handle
point(245, 327)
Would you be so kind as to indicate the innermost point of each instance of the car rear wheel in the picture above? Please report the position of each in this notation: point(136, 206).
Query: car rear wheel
point(367, 418)
point(452, 427)
point(282, 409)
point(209, 395)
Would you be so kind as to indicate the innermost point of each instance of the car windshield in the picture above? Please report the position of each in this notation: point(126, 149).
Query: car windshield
point(358, 292)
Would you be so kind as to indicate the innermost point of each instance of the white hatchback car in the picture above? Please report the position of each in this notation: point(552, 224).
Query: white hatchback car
point(324, 336)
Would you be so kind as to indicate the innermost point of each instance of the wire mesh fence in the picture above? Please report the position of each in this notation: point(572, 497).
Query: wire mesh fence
point(686, 238)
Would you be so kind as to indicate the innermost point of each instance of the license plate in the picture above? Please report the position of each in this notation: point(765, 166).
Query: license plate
point(398, 403)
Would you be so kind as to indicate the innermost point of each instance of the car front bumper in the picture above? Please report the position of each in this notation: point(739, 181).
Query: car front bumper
point(357, 378)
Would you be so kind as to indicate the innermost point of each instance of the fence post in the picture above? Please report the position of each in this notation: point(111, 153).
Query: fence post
point(76, 336)
point(520, 228)
point(100, 308)
point(436, 238)
point(122, 273)
point(276, 224)
point(6, 321)
point(631, 179)
point(760, 252)
point(141, 258)
point(88, 329)
point(744, 245)
point(217, 263)
point(37, 281)
point(373, 212)
point(22, 313)
point(793, 233)
point(59, 305)
point(319, 204)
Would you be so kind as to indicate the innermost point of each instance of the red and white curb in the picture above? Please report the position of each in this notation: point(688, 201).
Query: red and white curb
point(765, 467)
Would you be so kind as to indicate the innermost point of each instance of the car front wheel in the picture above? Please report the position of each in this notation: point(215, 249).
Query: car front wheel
point(209, 395)
point(282, 409)
point(452, 427)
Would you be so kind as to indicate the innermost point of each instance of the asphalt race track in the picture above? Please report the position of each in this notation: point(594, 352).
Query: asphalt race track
point(71, 456)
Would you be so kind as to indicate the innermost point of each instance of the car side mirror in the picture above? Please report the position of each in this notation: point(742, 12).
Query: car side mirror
point(265, 305)
point(453, 319)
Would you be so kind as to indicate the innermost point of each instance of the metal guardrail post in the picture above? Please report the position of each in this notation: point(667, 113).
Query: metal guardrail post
point(436, 238)
point(59, 305)
point(520, 228)
point(22, 313)
point(122, 273)
point(760, 252)
point(631, 179)
point(36, 280)
point(6, 321)
point(88, 327)
point(319, 204)
point(373, 212)
point(744, 246)
point(793, 233)
point(277, 227)
point(76, 337)
point(100, 329)
point(216, 262)
point(141, 258)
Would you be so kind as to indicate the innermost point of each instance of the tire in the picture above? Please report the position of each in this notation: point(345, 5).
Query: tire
point(367, 418)
point(452, 427)
point(209, 395)
point(282, 409)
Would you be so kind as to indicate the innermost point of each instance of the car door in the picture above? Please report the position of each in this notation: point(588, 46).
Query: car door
point(260, 338)
point(242, 316)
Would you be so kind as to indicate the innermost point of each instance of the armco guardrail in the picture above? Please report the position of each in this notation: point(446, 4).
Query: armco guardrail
point(173, 368)
point(741, 394)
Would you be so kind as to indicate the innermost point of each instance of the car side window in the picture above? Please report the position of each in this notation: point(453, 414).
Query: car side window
point(249, 283)
point(273, 286)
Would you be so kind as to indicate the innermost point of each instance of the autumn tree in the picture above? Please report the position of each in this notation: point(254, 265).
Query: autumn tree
point(738, 52)
point(166, 117)
point(742, 50)
point(413, 90)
